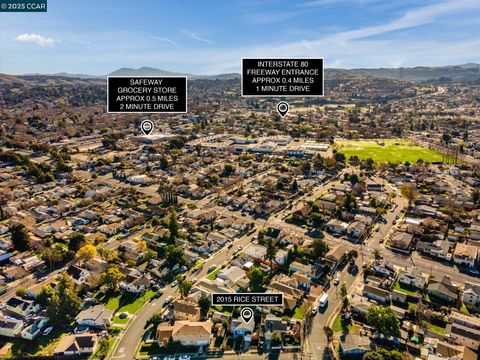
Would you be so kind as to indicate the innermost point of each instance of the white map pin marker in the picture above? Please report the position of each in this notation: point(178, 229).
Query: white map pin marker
point(246, 314)
point(147, 127)
point(282, 108)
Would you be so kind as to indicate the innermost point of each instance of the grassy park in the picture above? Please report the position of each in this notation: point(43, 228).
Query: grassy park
point(393, 150)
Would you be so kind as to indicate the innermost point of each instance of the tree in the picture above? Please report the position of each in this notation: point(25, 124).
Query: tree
point(173, 227)
point(256, 278)
point(271, 250)
point(349, 202)
point(377, 255)
point(353, 178)
point(76, 241)
point(409, 191)
point(204, 304)
point(306, 167)
point(294, 186)
point(319, 249)
point(214, 179)
point(64, 303)
point(155, 319)
point(384, 320)
point(87, 252)
point(228, 170)
point(163, 163)
point(21, 291)
point(383, 354)
point(476, 197)
point(174, 255)
point(352, 254)
point(446, 138)
point(103, 347)
point(20, 238)
point(343, 291)
point(44, 296)
point(328, 333)
point(112, 278)
point(185, 287)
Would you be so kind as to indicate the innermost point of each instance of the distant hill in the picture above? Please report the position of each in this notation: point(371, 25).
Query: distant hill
point(149, 71)
point(464, 72)
point(145, 71)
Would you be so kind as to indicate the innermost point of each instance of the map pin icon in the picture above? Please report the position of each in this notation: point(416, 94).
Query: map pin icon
point(246, 314)
point(147, 127)
point(282, 108)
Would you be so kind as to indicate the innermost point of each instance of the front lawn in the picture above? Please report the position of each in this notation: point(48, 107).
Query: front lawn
point(134, 306)
point(126, 302)
point(213, 274)
point(119, 321)
point(436, 328)
point(409, 290)
point(340, 325)
point(298, 313)
point(42, 345)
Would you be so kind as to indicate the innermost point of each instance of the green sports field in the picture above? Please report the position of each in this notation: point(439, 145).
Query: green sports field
point(395, 151)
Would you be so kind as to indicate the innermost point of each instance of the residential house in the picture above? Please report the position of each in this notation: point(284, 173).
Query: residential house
point(231, 275)
point(450, 351)
point(281, 256)
point(10, 327)
point(382, 268)
point(21, 307)
point(34, 329)
point(465, 255)
point(136, 282)
point(373, 185)
point(463, 335)
point(355, 345)
point(374, 293)
point(256, 252)
point(439, 249)
point(402, 241)
point(305, 269)
point(76, 344)
point(336, 254)
point(79, 276)
point(188, 333)
point(413, 277)
point(443, 289)
point(96, 316)
point(240, 328)
point(471, 294)
point(336, 226)
point(277, 286)
point(186, 310)
point(131, 250)
point(356, 229)
point(274, 233)
point(464, 320)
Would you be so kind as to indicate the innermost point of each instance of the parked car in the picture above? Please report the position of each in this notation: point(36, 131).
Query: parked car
point(168, 300)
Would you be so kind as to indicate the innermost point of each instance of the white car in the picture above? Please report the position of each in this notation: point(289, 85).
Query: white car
point(337, 281)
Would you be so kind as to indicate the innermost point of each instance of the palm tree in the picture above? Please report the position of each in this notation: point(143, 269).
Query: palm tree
point(271, 251)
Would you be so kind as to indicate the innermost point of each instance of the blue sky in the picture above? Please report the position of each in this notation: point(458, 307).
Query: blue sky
point(211, 36)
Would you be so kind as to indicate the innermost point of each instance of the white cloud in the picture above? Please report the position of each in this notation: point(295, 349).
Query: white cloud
point(160, 38)
point(37, 39)
point(196, 37)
